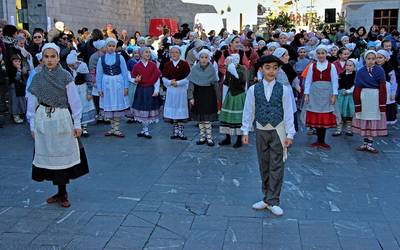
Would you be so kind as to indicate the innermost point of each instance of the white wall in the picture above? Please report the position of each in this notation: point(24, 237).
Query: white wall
point(363, 14)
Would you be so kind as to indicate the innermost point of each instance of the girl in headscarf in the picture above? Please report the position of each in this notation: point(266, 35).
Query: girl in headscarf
point(59, 157)
point(345, 97)
point(321, 89)
point(382, 59)
point(370, 102)
point(202, 94)
point(112, 82)
point(147, 101)
point(287, 76)
point(80, 71)
point(174, 74)
point(100, 46)
point(232, 108)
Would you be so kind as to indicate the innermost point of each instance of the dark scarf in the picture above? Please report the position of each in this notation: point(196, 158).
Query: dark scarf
point(290, 72)
point(49, 86)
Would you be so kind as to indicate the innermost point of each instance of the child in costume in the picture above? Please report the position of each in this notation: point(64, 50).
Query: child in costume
point(320, 92)
point(83, 82)
point(370, 102)
point(202, 94)
point(232, 108)
point(147, 101)
point(112, 80)
point(345, 97)
point(176, 109)
point(269, 103)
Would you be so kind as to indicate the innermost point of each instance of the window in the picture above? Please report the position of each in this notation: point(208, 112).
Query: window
point(330, 15)
point(387, 18)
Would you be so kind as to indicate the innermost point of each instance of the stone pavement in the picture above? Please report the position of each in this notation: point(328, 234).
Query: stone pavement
point(163, 194)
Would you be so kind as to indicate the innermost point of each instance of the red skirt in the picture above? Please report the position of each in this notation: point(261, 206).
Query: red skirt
point(320, 120)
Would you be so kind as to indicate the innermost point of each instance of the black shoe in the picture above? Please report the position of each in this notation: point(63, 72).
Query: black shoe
point(201, 142)
point(238, 143)
point(148, 136)
point(210, 143)
point(141, 134)
point(174, 137)
point(349, 133)
point(130, 120)
point(182, 137)
point(225, 141)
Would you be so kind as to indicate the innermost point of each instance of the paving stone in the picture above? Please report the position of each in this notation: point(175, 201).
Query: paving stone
point(82, 242)
point(173, 244)
point(204, 239)
point(130, 237)
point(102, 225)
point(210, 223)
point(196, 197)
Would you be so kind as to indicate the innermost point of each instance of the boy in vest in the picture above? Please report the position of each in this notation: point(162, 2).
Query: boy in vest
point(269, 104)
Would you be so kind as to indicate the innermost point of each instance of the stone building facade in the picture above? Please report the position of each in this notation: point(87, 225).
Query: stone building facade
point(368, 12)
point(131, 15)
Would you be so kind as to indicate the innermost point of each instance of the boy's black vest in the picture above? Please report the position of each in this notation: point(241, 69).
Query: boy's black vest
point(268, 112)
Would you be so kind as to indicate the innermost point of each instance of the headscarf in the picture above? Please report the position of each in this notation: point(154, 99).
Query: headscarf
point(204, 51)
point(72, 57)
point(99, 44)
point(143, 49)
point(273, 44)
point(51, 46)
point(369, 52)
point(354, 61)
point(111, 40)
point(279, 52)
point(384, 53)
point(323, 47)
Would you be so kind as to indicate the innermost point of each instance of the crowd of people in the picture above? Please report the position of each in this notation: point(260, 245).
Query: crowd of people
point(278, 82)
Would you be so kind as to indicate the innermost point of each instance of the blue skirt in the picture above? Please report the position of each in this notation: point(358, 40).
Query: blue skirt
point(146, 107)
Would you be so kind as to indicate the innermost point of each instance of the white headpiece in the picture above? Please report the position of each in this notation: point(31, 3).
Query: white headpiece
point(323, 47)
point(111, 40)
point(99, 44)
point(205, 51)
point(273, 44)
point(72, 57)
point(51, 46)
point(384, 53)
point(279, 52)
point(354, 61)
point(369, 52)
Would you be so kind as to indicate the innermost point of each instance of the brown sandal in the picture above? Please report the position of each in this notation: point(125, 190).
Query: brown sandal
point(119, 134)
point(52, 199)
point(63, 201)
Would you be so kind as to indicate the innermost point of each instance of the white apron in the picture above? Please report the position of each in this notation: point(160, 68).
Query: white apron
point(55, 146)
point(87, 106)
point(176, 105)
point(369, 105)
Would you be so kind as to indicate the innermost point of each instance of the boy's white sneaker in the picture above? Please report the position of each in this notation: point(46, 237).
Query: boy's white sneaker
point(260, 205)
point(276, 210)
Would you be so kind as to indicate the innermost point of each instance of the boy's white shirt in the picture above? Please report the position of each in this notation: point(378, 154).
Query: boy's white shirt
point(249, 110)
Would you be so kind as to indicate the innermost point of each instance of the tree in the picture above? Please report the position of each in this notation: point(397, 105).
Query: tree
point(281, 21)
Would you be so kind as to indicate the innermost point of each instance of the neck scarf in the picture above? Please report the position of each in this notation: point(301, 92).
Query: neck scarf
point(49, 86)
point(203, 76)
point(366, 78)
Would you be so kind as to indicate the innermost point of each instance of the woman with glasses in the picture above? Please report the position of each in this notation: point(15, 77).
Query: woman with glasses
point(36, 44)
